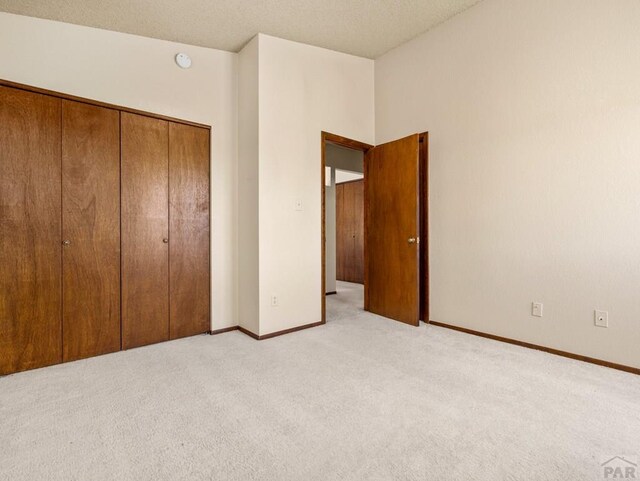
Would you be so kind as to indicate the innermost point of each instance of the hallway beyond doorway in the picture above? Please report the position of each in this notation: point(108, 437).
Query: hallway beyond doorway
point(349, 297)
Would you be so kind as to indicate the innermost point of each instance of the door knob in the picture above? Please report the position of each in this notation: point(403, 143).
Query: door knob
point(66, 242)
point(412, 240)
point(165, 240)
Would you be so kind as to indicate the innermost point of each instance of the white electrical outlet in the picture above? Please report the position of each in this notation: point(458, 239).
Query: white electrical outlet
point(274, 301)
point(298, 204)
point(536, 309)
point(601, 318)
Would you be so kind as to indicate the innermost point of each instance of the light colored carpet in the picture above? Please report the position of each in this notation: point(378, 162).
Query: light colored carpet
point(359, 398)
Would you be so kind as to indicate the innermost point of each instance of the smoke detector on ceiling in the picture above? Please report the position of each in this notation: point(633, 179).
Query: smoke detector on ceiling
point(183, 60)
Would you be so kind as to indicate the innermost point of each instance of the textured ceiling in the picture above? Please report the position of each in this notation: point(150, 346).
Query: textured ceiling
point(367, 28)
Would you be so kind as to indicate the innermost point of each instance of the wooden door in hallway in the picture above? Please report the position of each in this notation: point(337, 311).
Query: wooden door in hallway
point(392, 217)
point(350, 231)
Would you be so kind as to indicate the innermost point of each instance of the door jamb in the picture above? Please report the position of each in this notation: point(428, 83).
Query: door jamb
point(327, 137)
point(425, 278)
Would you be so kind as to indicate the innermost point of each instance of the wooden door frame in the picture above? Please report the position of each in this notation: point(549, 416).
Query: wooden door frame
point(424, 288)
point(423, 145)
point(327, 137)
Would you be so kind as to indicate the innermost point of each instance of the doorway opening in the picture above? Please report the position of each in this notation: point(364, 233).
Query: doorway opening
point(375, 224)
point(343, 181)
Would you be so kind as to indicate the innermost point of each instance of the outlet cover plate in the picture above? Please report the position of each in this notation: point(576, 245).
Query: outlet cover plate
point(601, 318)
point(536, 309)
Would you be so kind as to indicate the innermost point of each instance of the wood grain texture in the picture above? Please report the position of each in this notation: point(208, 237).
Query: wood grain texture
point(392, 183)
point(350, 231)
point(91, 223)
point(358, 231)
point(424, 226)
point(145, 223)
point(30, 259)
point(341, 225)
point(30, 88)
point(189, 280)
point(368, 159)
point(345, 142)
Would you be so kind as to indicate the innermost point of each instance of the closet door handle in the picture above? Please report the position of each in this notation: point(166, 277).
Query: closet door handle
point(66, 242)
point(165, 240)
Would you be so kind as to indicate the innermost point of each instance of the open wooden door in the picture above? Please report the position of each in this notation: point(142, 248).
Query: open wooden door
point(392, 259)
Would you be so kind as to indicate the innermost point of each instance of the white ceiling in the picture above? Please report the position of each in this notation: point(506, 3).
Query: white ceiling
point(367, 28)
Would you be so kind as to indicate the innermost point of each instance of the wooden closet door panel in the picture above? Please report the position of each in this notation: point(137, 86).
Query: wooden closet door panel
point(91, 223)
point(350, 231)
point(358, 231)
point(30, 271)
point(340, 233)
point(145, 228)
point(350, 207)
point(189, 266)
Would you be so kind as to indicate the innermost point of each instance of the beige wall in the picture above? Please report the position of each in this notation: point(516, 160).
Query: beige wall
point(533, 110)
point(248, 187)
point(303, 90)
point(140, 73)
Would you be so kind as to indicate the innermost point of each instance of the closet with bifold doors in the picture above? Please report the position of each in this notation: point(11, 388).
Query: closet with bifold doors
point(104, 228)
point(165, 230)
